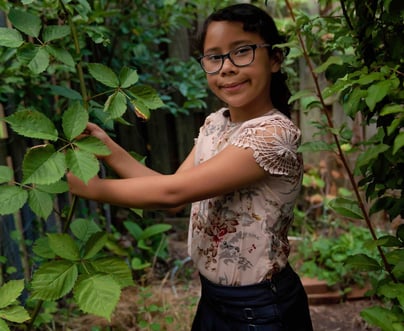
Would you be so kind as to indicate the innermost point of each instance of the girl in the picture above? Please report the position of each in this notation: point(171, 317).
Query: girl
point(242, 177)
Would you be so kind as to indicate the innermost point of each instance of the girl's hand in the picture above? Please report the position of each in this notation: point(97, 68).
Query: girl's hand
point(78, 187)
point(95, 131)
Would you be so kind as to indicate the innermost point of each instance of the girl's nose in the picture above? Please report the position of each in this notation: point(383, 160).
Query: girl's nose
point(228, 66)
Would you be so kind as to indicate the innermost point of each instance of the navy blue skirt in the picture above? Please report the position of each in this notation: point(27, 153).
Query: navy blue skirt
point(279, 304)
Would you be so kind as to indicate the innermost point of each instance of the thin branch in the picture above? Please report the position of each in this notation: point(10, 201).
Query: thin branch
point(338, 144)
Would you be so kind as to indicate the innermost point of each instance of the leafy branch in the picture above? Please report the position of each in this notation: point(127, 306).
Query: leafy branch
point(341, 154)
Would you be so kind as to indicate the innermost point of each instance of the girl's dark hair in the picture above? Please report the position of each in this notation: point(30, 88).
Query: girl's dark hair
point(258, 21)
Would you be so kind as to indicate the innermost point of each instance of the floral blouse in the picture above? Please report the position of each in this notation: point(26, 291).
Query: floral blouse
point(240, 238)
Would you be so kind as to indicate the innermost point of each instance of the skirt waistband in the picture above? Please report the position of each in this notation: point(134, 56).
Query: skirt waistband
point(261, 293)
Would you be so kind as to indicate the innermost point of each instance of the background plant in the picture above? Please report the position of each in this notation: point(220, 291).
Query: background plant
point(358, 53)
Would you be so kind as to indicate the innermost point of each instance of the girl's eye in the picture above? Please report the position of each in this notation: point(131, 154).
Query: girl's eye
point(214, 58)
point(242, 51)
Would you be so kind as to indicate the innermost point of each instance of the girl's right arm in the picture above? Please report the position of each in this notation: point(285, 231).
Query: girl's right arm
point(119, 160)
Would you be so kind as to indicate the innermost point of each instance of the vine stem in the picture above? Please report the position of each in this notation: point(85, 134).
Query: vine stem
point(340, 153)
point(80, 74)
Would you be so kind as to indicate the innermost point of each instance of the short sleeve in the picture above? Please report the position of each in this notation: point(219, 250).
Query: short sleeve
point(274, 141)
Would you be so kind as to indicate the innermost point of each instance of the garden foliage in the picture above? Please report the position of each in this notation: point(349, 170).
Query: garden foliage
point(65, 62)
point(357, 46)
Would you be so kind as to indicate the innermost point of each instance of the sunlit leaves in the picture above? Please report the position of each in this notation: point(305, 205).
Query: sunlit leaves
point(97, 294)
point(92, 145)
point(84, 229)
point(54, 279)
point(41, 203)
point(10, 38)
point(9, 308)
point(117, 268)
point(128, 77)
point(6, 174)
point(143, 98)
point(115, 105)
point(43, 165)
point(83, 164)
point(74, 120)
point(12, 198)
point(32, 124)
point(103, 74)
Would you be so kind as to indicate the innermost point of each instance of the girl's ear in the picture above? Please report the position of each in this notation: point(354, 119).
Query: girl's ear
point(277, 59)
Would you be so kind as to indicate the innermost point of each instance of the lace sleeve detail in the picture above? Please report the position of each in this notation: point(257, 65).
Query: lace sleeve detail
point(274, 142)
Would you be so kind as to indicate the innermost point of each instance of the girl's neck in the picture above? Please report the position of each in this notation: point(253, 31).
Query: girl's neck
point(241, 114)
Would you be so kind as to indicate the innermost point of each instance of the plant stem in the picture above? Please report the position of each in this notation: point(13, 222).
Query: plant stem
point(34, 315)
point(338, 144)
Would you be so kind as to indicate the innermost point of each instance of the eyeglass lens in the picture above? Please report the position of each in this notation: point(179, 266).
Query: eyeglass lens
point(240, 57)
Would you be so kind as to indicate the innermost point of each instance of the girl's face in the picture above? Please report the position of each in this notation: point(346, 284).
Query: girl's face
point(244, 89)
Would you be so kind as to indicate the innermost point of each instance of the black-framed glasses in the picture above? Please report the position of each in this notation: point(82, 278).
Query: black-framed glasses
point(241, 57)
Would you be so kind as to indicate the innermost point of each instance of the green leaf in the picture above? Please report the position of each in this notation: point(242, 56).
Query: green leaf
point(128, 77)
point(141, 110)
point(12, 198)
point(26, 22)
point(41, 203)
point(96, 242)
point(3, 325)
point(64, 246)
point(54, 188)
point(381, 317)
point(371, 154)
point(300, 94)
point(53, 280)
point(32, 124)
point(377, 92)
point(138, 264)
point(97, 294)
point(115, 105)
point(61, 55)
point(74, 120)
point(363, 262)
point(83, 229)
point(92, 145)
point(155, 229)
point(40, 61)
point(134, 229)
point(392, 109)
point(6, 174)
point(392, 291)
point(103, 74)
point(10, 292)
point(331, 60)
point(398, 142)
point(42, 165)
point(53, 32)
point(316, 146)
point(10, 38)
point(83, 164)
point(42, 249)
point(395, 257)
point(147, 95)
point(65, 92)
point(115, 267)
point(346, 207)
point(16, 314)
